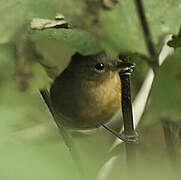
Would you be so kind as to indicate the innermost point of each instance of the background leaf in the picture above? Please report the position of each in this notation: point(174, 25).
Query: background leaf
point(122, 31)
point(165, 101)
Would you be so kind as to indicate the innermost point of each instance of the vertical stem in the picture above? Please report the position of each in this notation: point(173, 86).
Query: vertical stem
point(128, 119)
point(127, 106)
point(66, 136)
point(146, 31)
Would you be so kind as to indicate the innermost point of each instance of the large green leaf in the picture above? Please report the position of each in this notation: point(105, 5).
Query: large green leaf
point(165, 99)
point(16, 14)
point(121, 27)
point(77, 39)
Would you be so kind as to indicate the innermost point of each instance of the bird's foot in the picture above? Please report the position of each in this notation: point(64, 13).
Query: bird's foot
point(133, 138)
point(126, 68)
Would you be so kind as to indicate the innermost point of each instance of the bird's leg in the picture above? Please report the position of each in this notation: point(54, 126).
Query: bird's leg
point(122, 136)
point(133, 138)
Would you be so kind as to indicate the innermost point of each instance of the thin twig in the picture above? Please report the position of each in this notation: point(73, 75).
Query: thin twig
point(148, 39)
point(66, 136)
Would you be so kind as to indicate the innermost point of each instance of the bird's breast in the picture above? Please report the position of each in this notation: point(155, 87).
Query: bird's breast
point(86, 104)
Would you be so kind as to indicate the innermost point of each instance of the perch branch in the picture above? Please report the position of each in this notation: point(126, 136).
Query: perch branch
point(129, 131)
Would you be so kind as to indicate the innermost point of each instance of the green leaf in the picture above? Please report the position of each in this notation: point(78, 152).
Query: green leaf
point(122, 31)
point(16, 14)
point(176, 41)
point(77, 39)
point(6, 53)
point(165, 99)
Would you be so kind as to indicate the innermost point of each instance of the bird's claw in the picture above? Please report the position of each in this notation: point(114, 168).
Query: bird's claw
point(127, 68)
point(134, 138)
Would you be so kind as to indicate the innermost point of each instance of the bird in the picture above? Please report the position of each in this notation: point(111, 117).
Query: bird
point(87, 94)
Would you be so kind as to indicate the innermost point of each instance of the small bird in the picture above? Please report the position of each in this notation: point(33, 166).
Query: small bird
point(88, 92)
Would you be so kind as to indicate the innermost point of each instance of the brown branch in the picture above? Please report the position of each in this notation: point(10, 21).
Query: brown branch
point(129, 131)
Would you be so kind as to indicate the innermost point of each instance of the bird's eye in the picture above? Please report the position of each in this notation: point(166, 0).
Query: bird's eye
point(99, 66)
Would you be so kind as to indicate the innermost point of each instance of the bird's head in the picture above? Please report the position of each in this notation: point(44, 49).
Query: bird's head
point(96, 67)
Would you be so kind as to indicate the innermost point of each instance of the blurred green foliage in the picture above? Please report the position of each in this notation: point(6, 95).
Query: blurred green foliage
point(31, 147)
point(165, 100)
